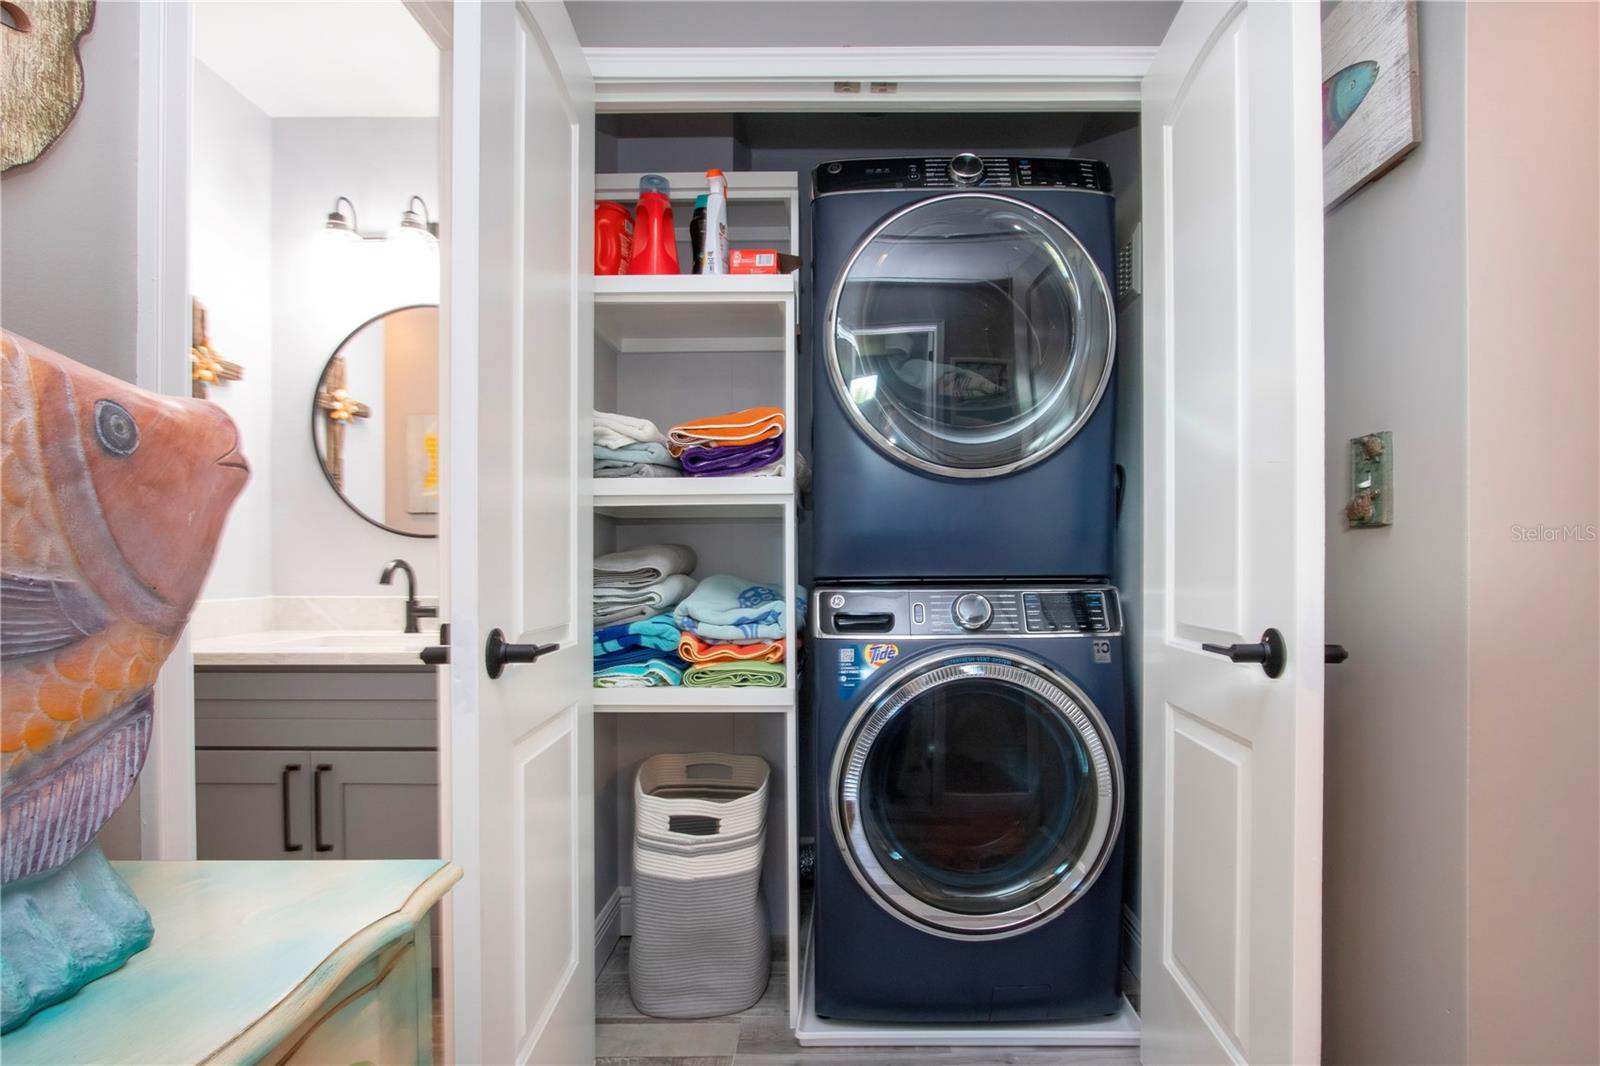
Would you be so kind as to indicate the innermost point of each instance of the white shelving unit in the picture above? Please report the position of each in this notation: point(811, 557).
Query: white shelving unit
point(672, 348)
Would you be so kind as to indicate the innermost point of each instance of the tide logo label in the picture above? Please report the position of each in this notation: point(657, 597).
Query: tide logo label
point(879, 654)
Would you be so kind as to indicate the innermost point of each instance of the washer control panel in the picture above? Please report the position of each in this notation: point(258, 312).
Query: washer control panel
point(1058, 611)
point(962, 170)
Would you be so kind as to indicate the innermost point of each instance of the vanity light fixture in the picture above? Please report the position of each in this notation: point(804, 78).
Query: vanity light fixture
point(417, 227)
point(340, 225)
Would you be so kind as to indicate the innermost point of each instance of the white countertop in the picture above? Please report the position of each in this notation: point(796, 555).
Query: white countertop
point(314, 647)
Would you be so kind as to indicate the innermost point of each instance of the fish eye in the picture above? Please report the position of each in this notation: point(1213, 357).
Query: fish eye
point(115, 428)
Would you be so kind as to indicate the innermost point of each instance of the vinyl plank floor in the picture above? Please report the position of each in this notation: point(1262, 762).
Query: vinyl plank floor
point(761, 1036)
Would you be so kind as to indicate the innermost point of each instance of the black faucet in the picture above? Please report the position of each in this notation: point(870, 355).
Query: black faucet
point(414, 610)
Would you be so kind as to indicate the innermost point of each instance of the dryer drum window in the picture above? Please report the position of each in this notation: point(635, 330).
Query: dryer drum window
point(970, 335)
point(978, 795)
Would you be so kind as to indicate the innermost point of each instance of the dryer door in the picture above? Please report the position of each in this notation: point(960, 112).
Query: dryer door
point(977, 794)
point(970, 335)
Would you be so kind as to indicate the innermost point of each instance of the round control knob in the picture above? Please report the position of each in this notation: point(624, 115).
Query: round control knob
point(972, 612)
point(966, 169)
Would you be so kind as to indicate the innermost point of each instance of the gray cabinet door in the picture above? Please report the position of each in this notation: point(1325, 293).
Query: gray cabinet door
point(376, 804)
point(253, 804)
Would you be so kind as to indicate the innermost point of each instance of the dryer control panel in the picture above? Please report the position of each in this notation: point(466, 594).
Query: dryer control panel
point(1058, 611)
point(964, 170)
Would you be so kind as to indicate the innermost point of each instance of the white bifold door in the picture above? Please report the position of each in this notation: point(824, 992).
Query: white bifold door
point(521, 767)
point(1233, 456)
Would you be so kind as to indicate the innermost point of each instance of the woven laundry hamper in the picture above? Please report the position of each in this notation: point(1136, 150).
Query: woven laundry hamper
point(701, 945)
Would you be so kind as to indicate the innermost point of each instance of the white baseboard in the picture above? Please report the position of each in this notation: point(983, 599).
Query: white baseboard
point(611, 924)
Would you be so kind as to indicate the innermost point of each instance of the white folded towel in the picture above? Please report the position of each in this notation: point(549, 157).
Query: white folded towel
point(662, 596)
point(618, 431)
point(643, 566)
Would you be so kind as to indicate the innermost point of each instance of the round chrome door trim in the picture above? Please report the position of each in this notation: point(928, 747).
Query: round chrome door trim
point(924, 674)
point(841, 390)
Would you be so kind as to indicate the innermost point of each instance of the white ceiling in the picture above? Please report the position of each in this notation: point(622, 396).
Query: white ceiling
point(321, 58)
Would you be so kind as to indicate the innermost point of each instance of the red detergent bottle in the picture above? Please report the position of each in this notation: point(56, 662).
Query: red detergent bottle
point(613, 238)
point(655, 245)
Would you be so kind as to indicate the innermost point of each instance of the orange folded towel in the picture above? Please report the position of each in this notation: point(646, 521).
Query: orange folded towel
point(692, 649)
point(750, 426)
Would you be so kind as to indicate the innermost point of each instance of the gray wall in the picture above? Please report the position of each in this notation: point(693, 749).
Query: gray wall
point(67, 220)
point(319, 295)
point(832, 22)
point(1395, 800)
point(230, 272)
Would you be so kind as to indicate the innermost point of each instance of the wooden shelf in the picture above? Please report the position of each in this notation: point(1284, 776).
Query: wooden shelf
point(677, 699)
point(694, 313)
point(691, 497)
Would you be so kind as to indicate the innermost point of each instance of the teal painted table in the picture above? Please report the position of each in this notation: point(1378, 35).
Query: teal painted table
point(277, 962)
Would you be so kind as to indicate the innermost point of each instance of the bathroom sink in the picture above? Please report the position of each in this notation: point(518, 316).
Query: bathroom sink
point(362, 640)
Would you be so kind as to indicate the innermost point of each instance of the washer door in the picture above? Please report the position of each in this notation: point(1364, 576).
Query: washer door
point(970, 335)
point(977, 794)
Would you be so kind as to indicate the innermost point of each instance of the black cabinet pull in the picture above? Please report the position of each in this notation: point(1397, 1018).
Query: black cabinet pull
point(283, 787)
point(316, 805)
point(1333, 654)
point(497, 652)
point(438, 654)
point(1270, 654)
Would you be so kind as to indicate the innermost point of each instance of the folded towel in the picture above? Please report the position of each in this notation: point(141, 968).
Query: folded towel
point(706, 461)
point(615, 431)
point(734, 675)
point(723, 607)
point(697, 650)
point(608, 468)
point(652, 674)
point(664, 595)
point(643, 452)
point(633, 656)
point(656, 632)
point(642, 566)
point(736, 427)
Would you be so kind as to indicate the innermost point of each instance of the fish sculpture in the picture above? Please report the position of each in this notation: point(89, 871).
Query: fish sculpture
point(112, 501)
point(1343, 93)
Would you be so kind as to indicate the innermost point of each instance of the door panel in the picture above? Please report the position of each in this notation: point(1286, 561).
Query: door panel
point(1233, 522)
point(252, 804)
point(377, 804)
point(521, 342)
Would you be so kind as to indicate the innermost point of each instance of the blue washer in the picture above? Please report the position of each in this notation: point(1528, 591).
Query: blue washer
point(963, 386)
point(969, 750)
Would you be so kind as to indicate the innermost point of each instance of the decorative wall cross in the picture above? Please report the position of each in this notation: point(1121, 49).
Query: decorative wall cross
point(207, 367)
point(333, 400)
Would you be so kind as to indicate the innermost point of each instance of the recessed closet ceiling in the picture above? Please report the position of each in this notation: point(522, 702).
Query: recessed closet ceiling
point(868, 23)
point(325, 59)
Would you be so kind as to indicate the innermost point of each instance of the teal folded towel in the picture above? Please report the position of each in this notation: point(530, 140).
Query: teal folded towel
point(653, 674)
point(724, 607)
point(629, 459)
point(656, 632)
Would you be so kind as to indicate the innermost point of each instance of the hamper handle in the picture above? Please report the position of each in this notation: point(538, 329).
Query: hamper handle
point(708, 771)
point(694, 825)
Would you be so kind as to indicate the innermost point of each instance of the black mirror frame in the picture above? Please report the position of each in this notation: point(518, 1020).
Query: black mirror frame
point(317, 452)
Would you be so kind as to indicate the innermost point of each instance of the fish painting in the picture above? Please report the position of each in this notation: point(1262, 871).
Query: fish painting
point(1343, 93)
point(112, 502)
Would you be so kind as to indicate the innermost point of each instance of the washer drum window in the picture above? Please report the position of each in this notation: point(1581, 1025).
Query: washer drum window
point(978, 794)
point(970, 335)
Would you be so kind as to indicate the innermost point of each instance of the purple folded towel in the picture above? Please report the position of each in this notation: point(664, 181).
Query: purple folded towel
point(726, 462)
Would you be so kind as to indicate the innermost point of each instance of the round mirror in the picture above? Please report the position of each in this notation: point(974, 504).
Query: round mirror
point(375, 420)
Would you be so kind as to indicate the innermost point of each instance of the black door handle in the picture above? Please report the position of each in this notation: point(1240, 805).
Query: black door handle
point(497, 652)
point(1269, 654)
point(283, 786)
point(316, 805)
point(438, 654)
point(1333, 654)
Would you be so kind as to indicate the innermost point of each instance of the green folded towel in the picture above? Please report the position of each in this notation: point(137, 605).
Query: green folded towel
point(734, 675)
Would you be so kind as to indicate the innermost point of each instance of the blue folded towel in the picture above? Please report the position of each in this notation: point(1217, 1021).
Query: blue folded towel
point(631, 656)
point(646, 452)
point(728, 608)
point(657, 633)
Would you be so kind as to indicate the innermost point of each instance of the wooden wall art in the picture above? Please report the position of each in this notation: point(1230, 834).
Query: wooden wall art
point(41, 75)
point(206, 367)
point(1371, 100)
point(115, 499)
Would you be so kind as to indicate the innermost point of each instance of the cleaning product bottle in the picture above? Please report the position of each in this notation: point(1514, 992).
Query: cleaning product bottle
point(716, 223)
point(697, 233)
point(655, 246)
point(613, 237)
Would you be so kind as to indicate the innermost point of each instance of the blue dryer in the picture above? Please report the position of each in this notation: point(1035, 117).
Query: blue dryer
point(962, 379)
point(969, 756)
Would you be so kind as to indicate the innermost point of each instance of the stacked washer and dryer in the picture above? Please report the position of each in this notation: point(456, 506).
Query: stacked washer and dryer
point(965, 667)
